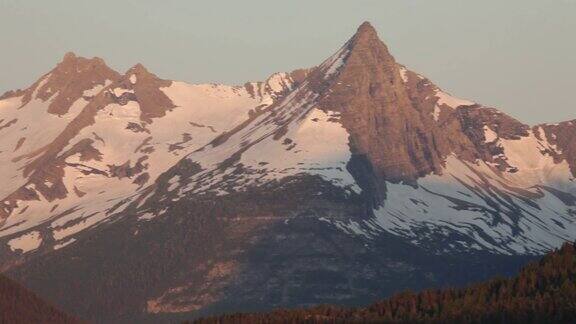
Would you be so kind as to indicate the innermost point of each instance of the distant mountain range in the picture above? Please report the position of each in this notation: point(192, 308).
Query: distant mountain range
point(341, 183)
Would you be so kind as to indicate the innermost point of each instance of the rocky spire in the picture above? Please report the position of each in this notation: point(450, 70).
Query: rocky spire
point(377, 111)
point(368, 54)
point(146, 86)
point(365, 36)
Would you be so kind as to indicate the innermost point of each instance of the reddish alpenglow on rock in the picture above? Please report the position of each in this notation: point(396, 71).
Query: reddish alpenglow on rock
point(131, 198)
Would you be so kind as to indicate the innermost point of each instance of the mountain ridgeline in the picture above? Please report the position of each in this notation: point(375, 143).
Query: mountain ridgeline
point(543, 292)
point(336, 184)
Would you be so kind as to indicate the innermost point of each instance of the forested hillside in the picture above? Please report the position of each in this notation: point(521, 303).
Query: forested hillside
point(18, 305)
point(543, 292)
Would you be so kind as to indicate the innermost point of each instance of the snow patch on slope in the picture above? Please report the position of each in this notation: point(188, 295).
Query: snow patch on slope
point(96, 89)
point(27, 125)
point(26, 243)
point(335, 62)
point(404, 74)
point(532, 166)
point(291, 139)
point(436, 113)
point(316, 145)
point(64, 243)
point(450, 101)
point(279, 82)
point(472, 208)
point(489, 134)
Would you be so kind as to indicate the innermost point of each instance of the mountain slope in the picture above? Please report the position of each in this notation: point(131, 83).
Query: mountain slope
point(18, 305)
point(448, 173)
point(55, 99)
point(119, 141)
point(336, 184)
point(543, 292)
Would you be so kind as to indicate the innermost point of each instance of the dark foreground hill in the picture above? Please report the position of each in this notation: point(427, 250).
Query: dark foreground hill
point(18, 305)
point(543, 292)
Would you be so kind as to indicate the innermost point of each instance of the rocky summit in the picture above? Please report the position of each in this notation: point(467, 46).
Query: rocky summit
point(341, 183)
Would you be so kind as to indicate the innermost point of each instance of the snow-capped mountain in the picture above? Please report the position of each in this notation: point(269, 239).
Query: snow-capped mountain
point(441, 171)
point(357, 172)
point(73, 157)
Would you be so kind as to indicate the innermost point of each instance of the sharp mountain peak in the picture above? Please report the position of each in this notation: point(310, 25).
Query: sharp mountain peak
point(365, 38)
point(138, 68)
point(366, 30)
point(363, 53)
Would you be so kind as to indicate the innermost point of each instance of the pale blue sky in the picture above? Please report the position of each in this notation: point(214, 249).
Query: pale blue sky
point(517, 55)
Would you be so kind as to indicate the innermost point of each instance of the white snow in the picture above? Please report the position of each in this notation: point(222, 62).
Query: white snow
point(436, 113)
point(96, 89)
point(292, 138)
point(489, 134)
point(26, 243)
point(312, 142)
point(65, 243)
point(450, 101)
point(28, 122)
point(60, 233)
point(320, 148)
point(404, 74)
point(533, 166)
point(146, 216)
point(133, 79)
point(173, 183)
point(202, 112)
point(278, 82)
point(120, 91)
point(334, 62)
point(421, 213)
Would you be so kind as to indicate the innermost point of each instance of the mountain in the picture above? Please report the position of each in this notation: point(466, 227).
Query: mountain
point(543, 292)
point(340, 183)
point(118, 134)
point(18, 305)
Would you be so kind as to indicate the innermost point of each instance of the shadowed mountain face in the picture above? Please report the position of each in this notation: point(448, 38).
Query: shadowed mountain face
point(340, 184)
point(543, 292)
point(18, 305)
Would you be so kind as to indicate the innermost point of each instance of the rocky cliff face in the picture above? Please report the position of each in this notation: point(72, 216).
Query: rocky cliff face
point(339, 183)
point(383, 122)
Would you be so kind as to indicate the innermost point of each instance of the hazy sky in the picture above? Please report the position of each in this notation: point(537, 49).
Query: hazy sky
point(517, 55)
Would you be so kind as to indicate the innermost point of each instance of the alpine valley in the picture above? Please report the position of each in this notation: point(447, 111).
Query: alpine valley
point(130, 198)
